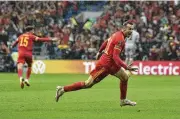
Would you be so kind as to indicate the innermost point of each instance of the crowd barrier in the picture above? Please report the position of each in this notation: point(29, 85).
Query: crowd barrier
point(84, 67)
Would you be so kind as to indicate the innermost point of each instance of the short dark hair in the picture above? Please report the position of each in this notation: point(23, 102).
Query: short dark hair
point(29, 28)
point(128, 22)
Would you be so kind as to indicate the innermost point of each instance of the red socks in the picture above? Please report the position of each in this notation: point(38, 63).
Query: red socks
point(20, 73)
point(123, 89)
point(74, 86)
point(28, 73)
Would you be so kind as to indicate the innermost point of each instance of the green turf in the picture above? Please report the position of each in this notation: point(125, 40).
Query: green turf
point(158, 97)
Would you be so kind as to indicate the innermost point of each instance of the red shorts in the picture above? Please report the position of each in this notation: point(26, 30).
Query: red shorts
point(22, 58)
point(103, 69)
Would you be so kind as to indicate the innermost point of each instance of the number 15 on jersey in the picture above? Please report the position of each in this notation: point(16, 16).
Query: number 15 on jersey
point(24, 41)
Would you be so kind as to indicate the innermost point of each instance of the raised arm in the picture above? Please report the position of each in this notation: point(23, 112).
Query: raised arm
point(42, 39)
point(45, 39)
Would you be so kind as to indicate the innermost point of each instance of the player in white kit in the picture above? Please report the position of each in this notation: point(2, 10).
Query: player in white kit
point(131, 46)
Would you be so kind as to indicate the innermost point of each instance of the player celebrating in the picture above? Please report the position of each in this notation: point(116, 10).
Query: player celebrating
point(25, 44)
point(109, 63)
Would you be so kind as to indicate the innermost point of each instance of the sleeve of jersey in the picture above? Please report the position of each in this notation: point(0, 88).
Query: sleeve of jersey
point(103, 46)
point(41, 39)
point(117, 59)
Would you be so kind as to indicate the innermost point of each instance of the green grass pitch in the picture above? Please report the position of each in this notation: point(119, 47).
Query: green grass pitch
point(158, 97)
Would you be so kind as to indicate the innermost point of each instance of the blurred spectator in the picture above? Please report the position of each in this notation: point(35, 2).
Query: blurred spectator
point(157, 22)
point(6, 62)
point(4, 49)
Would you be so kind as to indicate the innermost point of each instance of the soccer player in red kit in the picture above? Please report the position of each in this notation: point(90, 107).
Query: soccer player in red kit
point(25, 44)
point(109, 63)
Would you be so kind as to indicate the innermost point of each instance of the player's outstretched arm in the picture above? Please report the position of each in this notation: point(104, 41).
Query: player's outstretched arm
point(45, 39)
point(54, 39)
point(42, 39)
point(117, 59)
point(119, 62)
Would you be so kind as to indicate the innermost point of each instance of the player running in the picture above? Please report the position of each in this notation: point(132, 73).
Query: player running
point(25, 44)
point(109, 63)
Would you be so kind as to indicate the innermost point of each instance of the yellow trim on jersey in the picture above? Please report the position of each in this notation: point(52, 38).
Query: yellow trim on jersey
point(98, 73)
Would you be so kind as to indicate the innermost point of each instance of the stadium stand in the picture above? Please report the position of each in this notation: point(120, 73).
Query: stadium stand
point(157, 22)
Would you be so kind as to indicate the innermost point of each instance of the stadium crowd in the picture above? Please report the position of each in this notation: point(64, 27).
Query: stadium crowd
point(157, 22)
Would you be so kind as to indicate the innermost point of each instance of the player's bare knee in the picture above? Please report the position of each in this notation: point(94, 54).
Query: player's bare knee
point(88, 83)
point(89, 86)
point(20, 65)
point(126, 76)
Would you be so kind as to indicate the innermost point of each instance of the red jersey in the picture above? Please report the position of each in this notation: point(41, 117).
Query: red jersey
point(25, 42)
point(115, 41)
point(112, 49)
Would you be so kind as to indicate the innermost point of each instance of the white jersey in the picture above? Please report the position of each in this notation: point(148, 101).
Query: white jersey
point(131, 42)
